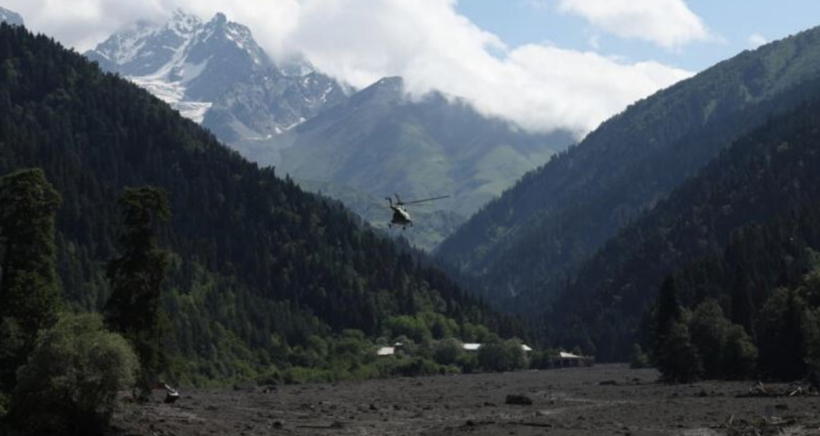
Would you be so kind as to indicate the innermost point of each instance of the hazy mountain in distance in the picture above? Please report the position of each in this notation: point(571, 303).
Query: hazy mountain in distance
point(216, 74)
point(557, 216)
point(380, 142)
point(10, 17)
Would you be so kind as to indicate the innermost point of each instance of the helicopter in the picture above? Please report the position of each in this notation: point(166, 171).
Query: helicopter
point(400, 215)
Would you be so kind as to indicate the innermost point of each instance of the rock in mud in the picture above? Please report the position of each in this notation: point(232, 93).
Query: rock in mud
point(518, 400)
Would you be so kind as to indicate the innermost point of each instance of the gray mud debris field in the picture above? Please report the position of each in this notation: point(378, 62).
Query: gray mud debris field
point(601, 400)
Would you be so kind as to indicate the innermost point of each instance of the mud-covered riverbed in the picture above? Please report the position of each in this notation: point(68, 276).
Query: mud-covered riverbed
point(602, 400)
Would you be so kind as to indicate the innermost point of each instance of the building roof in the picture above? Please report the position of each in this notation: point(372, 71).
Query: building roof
point(526, 348)
point(471, 346)
point(386, 351)
point(565, 355)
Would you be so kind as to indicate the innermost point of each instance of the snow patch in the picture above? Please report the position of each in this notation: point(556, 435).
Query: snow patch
point(169, 92)
point(173, 94)
point(191, 71)
point(193, 110)
point(301, 120)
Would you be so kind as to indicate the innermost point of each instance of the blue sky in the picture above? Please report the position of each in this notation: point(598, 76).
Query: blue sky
point(518, 22)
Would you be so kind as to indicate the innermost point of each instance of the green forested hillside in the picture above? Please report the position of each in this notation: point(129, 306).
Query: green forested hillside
point(560, 214)
point(751, 210)
point(261, 272)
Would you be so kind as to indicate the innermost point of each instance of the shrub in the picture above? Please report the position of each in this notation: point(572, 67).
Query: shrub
point(544, 359)
point(447, 352)
point(740, 354)
point(639, 359)
point(468, 362)
point(70, 383)
point(502, 356)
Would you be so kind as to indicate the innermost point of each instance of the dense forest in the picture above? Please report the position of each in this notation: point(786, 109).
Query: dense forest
point(559, 215)
point(746, 221)
point(751, 311)
point(262, 277)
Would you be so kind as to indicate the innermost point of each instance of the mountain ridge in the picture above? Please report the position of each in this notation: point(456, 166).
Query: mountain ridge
point(761, 178)
point(560, 214)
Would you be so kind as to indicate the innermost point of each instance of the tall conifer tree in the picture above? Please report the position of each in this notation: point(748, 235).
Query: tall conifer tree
point(136, 278)
point(29, 287)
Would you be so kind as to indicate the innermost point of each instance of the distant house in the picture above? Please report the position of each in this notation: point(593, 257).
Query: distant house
point(566, 360)
point(471, 347)
point(385, 351)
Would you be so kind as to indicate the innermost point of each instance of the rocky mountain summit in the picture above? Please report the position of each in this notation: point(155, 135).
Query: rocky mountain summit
point(216, 74)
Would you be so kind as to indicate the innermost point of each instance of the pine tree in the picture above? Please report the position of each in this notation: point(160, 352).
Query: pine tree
point(668, 312)
point(742, 305)
point(29, 286)
point(136, 278)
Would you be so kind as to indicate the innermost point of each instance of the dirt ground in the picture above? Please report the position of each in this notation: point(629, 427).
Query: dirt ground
point(602, 400)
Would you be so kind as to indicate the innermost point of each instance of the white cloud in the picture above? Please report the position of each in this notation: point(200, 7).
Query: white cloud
point(539, 87)
point(756, 40)
point(667, 23)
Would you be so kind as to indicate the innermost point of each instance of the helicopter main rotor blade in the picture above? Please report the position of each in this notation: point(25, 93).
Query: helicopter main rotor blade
point(427, 199)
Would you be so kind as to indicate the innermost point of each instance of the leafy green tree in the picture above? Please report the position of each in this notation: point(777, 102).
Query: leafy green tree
point(781, 335)
point(679, 361)
point(410, 326)
point(709, 329)
point(468, 362)
point(136, 278)
point(29, 286)
point(447, 351)
point(70, 383)
point(739, 354)
point(502, 356)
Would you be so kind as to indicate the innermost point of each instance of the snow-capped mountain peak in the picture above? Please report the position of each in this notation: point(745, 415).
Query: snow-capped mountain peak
point(184, 61)
point(183, 23)
point(215, 73)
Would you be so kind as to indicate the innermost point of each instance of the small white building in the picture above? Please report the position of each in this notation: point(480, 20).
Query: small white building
point(471, 347)
point(385, 351)
point(568, 359)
